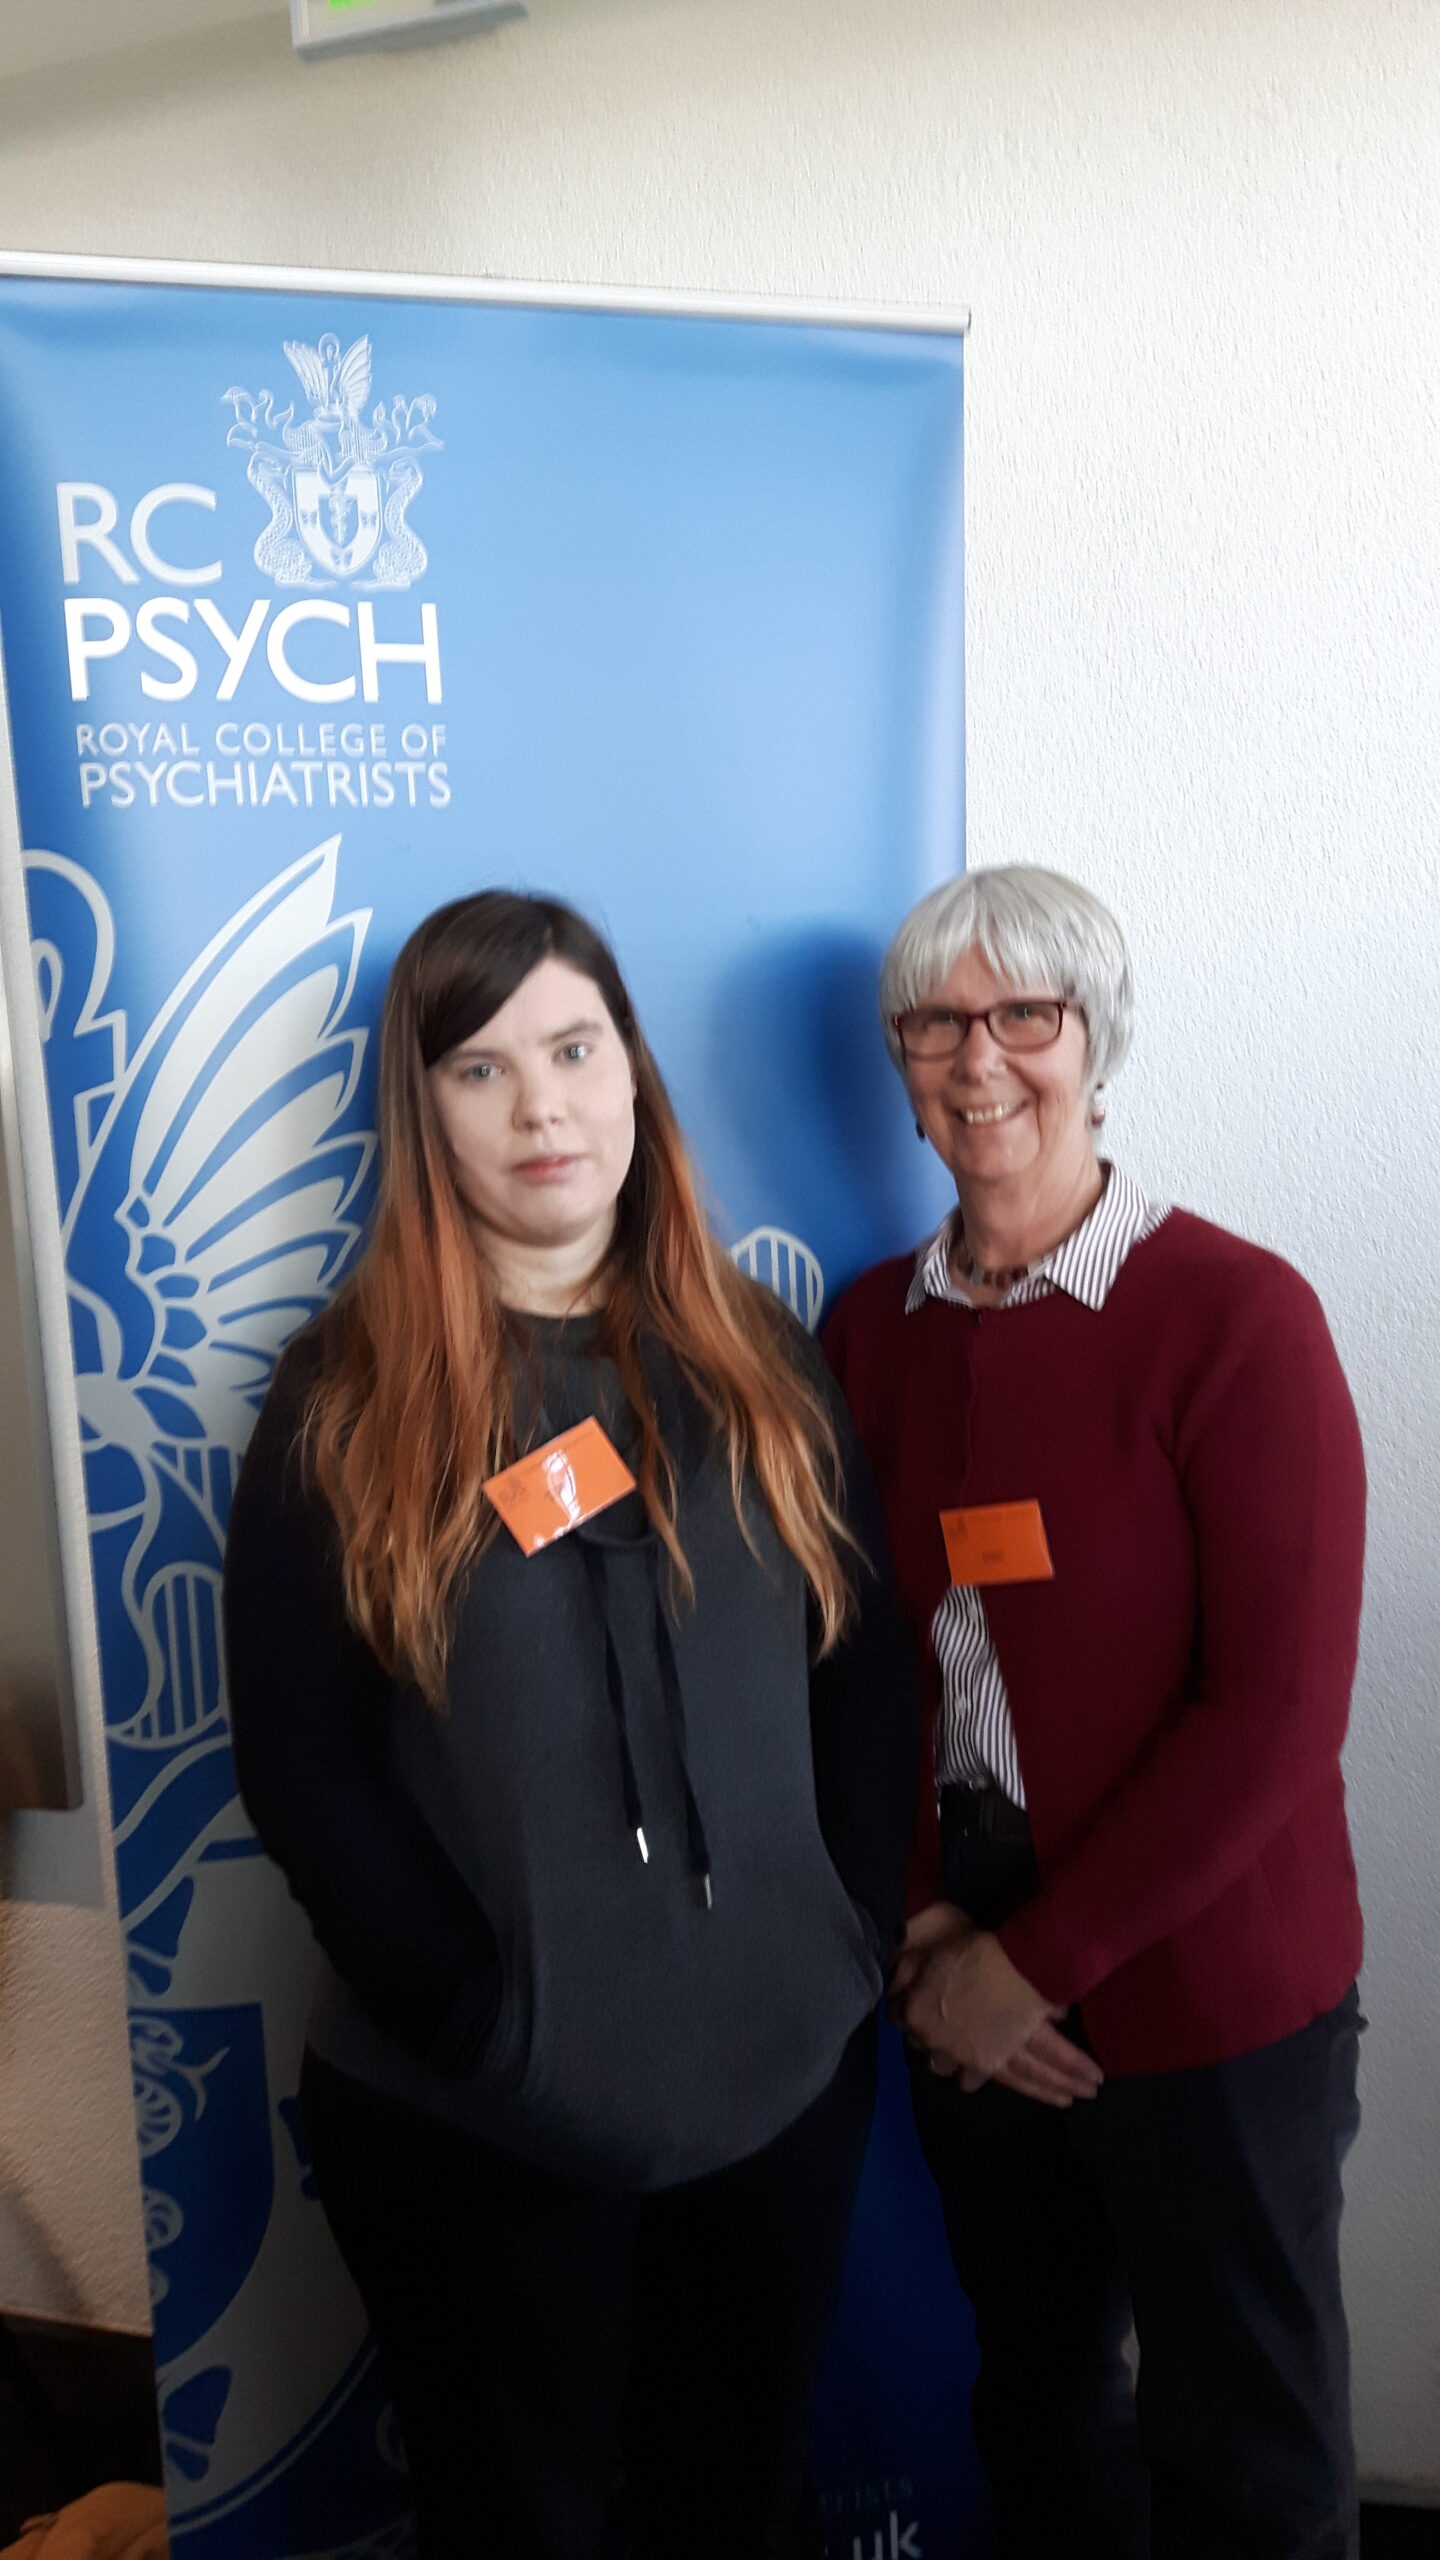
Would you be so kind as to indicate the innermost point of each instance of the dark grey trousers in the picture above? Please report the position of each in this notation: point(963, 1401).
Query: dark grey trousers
point(1206, 2205)
point(588, 2376)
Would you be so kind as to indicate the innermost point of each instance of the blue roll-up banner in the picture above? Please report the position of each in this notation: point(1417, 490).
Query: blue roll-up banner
point(325, 599)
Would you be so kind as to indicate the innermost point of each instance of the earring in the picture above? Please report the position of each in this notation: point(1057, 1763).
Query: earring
point(1097, 1107)
point(920, 1129)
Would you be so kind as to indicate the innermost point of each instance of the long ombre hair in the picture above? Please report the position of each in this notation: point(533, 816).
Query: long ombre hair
point(414, 1406)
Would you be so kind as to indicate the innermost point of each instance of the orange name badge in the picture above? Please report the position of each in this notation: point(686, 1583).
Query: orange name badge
point(997, 1542)
point(547, 1494)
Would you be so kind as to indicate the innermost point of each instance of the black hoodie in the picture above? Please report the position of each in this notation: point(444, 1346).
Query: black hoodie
point(619, 1905)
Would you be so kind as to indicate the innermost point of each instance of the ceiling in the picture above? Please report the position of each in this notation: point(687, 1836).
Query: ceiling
point(43, 35)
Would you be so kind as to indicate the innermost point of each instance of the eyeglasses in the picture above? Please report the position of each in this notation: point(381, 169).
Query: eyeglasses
point(1023, 1023)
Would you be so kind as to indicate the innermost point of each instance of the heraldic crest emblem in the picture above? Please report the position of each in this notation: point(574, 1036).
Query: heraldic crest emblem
point(338, 485)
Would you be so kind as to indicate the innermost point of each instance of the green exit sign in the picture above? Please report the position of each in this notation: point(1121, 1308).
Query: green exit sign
point(342, 26)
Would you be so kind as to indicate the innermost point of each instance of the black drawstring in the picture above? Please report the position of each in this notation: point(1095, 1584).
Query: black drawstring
point(695, 1840)
point(615, 1687)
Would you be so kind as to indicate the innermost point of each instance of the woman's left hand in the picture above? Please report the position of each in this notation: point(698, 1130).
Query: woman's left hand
point(959, 1998)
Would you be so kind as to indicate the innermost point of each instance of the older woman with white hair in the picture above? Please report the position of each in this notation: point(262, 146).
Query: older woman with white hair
point(1125, 1495)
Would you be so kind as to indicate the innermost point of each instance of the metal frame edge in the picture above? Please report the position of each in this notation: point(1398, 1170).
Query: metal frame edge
point(676, 302)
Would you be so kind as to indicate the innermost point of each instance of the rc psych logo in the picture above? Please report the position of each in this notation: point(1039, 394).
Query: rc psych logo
point(335, 484)
point(339, 479)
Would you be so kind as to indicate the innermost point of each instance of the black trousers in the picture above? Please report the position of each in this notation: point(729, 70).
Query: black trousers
point(1205, 2204)
point(588, 2376)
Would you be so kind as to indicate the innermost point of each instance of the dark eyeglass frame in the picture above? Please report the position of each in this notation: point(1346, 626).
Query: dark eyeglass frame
point(965, 1021)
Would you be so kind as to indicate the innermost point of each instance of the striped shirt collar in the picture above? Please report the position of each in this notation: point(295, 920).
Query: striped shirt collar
point(1086, 1265)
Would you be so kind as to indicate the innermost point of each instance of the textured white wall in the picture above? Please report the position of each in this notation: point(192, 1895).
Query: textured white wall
point(1199, 240)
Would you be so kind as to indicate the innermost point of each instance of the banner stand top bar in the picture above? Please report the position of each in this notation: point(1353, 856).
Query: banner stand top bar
point(76, 268)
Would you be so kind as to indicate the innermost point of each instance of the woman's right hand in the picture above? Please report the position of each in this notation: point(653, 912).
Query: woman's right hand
point(1046, 2067)
point(1051, 2069)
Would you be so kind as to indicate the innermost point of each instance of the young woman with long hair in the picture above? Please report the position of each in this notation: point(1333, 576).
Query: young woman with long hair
point(602, 1844)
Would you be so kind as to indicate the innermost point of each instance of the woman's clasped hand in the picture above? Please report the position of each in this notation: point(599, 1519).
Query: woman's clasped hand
point(959, 2002)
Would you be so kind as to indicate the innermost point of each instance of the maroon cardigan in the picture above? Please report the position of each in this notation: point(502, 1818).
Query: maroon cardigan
point(1180, 1689)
